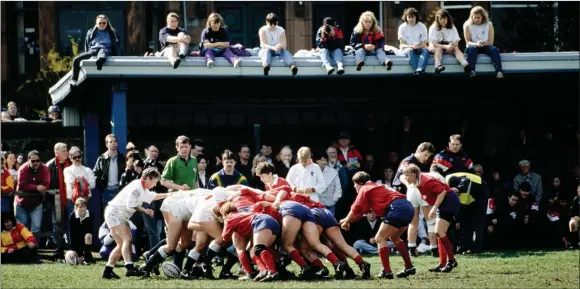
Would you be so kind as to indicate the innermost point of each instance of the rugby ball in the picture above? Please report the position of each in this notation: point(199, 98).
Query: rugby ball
point(71, 257)
point(170, 270)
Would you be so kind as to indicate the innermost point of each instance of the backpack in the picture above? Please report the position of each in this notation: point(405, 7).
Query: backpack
point(80, 189)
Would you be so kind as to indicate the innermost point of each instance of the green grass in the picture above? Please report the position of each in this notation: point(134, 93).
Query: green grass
point(542, 269)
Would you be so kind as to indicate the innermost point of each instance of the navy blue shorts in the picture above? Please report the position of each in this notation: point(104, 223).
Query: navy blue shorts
point(399, 213)
point(449, 208)
point(324, 218)
point(263, 221)
point(244, 209)
point(296, 210)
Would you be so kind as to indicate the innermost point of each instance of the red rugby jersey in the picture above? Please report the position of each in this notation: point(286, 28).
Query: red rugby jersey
point(374, 197)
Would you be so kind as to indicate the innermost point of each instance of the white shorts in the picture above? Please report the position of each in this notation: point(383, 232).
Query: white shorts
point(204, 212)
point(414, 196)
point(177, 206)
point(114, 218)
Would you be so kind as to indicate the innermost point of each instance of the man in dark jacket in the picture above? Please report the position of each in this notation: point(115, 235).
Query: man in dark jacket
point(108, 170)
point(367, 229)
point(34, 179)
point(453, 159)
point(154, 224)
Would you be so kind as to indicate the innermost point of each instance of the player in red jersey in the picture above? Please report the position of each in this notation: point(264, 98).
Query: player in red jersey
point(445, 207)
point(397, 212)
point(265, 171)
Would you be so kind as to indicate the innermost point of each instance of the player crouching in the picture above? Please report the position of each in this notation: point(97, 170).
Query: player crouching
point(117, 215)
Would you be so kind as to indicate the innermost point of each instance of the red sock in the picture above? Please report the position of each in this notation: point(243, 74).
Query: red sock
point(258, 261)
point(341, 256)
point(447, 244)
point(384, 255)
point(245, 260)
point(295, 256)
point(358, 260)
point(442, 253)
point(404, 252)
point(332, 258)
point(317, 263)
point(269, 261)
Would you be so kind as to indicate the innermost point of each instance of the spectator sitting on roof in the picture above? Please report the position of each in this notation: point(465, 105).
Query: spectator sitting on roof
point(53, 113)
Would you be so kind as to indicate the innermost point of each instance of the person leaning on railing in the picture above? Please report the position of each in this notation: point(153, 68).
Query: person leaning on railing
point(34, 179)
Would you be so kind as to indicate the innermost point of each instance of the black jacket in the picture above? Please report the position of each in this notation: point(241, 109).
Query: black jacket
point(148, 163)
point(364, 230)
point(116, 46)
point(101, 169)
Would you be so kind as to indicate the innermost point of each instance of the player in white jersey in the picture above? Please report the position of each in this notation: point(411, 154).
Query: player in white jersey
point(117, 214)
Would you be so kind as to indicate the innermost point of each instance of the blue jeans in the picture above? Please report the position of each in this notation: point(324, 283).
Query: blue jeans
point(491, 51)
point(418, 58)
point(360, 54)
point(267, 54)
point(329, 58)
point(363, 247)
point(32, 219)
point(70, 207)
point(332, 209)
point(7, 203)
point(50, 207)
point(153, 227)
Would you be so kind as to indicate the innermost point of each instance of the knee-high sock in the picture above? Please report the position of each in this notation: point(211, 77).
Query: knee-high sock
point(295, 256)
point(448, 248)
point(404, 252)
point(258, 261)
point(232, 260)
point(268, 260)
point(384, 255)
point(442, 253)
point(245, 260)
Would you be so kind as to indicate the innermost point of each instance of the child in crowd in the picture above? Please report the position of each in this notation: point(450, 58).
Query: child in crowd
point(80, 223)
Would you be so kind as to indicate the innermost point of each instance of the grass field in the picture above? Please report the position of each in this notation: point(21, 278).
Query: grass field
point(542, 269)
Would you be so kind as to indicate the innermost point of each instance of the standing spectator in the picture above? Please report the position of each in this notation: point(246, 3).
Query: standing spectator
point(368, 40)
point(333, 192)
point(197, 147)
point(18, 244)
point(444, 38)
point(228, 175)
point(101, 41)
point(334, 163)
point(7, 188)
point(387, 178)
point(371, 168)
point(349, 157)
point(202, 174)
point(330, 41)
point(76, 173)
point(366, 230)
point(479, 36)
point(407, 138)
point(273, 44)
point(12, 165)
point(413, 38)
point(56, 167)
point(215, 41)
point(420, 158)
point(154, 224)
point(174, 40)
point(255, 182)
point(266, 152)
point(453, 159)
point(133, 170)
point(80, 223)
point(534, 179)
point(283, 166)
point(305, 177)
point(108, 170)
point(34, 179)
point(244, 166)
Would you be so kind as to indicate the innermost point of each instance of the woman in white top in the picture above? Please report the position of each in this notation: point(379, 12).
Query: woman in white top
point(117, 214)
point(443, 37)
point(479, 36)
point(273, 43)
point(74, 172)
point(413, 38)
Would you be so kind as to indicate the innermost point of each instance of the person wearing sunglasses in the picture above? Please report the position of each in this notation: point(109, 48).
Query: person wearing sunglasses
point(33, 179)
point(101, 41)
point(76, 172)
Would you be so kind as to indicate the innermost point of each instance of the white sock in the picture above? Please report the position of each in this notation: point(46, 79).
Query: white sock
point(128, 263)
point(194, 255)
point(433, 246)
point(110, 265)
point(412, 245)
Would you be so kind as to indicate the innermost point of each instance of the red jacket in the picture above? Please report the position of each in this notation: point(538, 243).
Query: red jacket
point(7, 182)
point(375, 198)
point(28, 180)
point(351, 154)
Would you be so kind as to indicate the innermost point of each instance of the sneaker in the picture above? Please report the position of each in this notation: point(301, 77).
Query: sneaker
point(365, 269)
point(248, 276)
point(349, 274)
point(210, 64)
point(389, 65)
point(359, 65)
point(340, 70)
point(437, 268)
point(266, 69)
point(218, 261)
point(413, 251)
point(386, 275)
point(467, 70)
point(145, 256)
point(499, 75)
point(449, 266)
point(440, 68)
point(73, 83)
point(294, 69)
point(472, 74)
point(176, 63)
point(134, 272)
point(406, 272)
point(306, 272)
point(187, 275)
point(261, 276)
point(423, 248)
point(182, 55)
point(156, 270)
point(237, 63)
point(322, 272)
point(110, 275)
point(207, 271)
point(227, 275)
point(339, 269)
point(271, 277)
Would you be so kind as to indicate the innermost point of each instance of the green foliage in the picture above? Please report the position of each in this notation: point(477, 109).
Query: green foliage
point(33, 94)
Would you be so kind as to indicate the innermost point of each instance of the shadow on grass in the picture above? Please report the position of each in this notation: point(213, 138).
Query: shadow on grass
point(512, 254)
